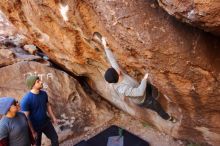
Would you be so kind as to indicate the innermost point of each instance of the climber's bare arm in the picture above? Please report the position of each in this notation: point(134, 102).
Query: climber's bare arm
point(110, 56)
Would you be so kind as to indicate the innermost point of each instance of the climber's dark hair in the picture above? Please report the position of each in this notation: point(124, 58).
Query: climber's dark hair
point(111, 75)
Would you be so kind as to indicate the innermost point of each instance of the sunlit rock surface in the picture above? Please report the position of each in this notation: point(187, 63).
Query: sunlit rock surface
point(183, 61)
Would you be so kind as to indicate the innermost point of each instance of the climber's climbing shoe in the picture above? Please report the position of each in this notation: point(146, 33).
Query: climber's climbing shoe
point(172, 119)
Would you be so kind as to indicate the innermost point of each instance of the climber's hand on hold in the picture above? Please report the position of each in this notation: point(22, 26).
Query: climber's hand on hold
point(146, 76)
point(104, 42)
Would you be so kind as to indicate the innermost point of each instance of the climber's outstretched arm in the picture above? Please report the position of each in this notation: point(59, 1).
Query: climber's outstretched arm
point(110, 56)
point(111, 59)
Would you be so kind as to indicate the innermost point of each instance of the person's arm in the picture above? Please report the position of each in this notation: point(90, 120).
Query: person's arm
point(30, 124)
point(4, 133)
point(112, 59)
point(127, 90)
point(26, 110)
point(51, 113)
point(110, 56)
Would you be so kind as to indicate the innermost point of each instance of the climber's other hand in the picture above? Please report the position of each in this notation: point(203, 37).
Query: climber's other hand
point(146, 76)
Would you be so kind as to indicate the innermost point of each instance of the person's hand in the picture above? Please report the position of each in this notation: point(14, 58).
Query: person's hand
point(55, 121)
point(34, 134)
point(146, 76)
point(104, 42)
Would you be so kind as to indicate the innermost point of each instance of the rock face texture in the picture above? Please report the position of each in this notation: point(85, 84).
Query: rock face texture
point(78, 112)
point(6, 28)
point(204, 14)
point(11, 44)
point(11, 55)
point(183, 62)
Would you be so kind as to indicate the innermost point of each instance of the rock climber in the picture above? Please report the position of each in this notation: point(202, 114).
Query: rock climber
point(123, 85)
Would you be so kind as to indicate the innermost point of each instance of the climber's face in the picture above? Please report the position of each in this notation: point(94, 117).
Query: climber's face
point(38, 84)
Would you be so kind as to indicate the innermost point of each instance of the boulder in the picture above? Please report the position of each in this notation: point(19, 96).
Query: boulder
point(183, 61)
point(78, 112)
point(11, 43)
point(6, 53)
point(32, 49)
point(200, 13)
point(11, 55)
point(6, 28)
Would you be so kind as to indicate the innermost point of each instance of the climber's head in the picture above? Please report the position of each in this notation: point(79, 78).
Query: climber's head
point(111, 75)
point(34, 81)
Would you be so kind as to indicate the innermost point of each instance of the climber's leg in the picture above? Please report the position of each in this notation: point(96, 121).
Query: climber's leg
point(154, 105)
point(151, 102)
point(151, 90)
